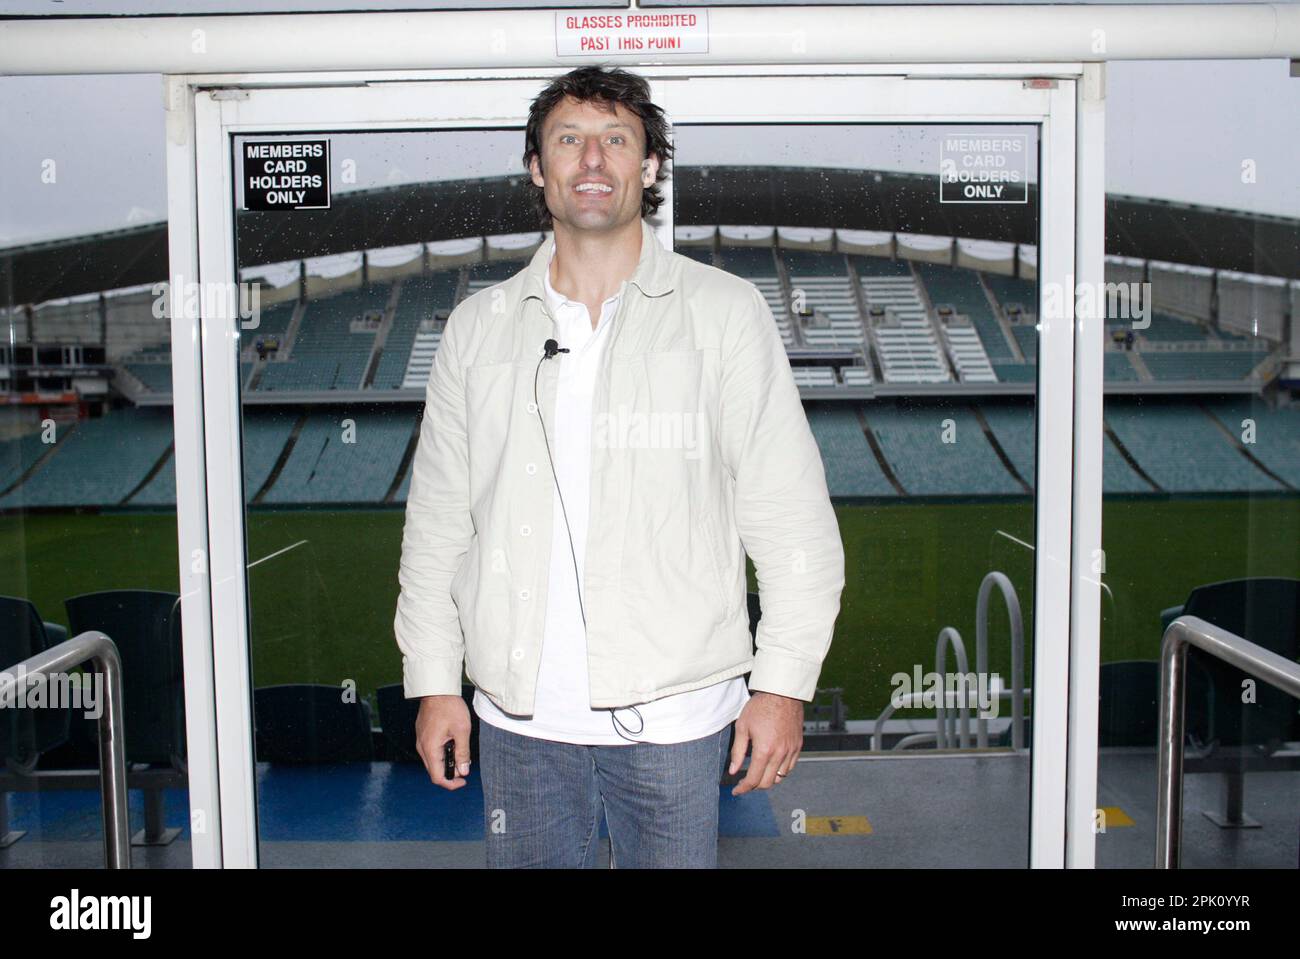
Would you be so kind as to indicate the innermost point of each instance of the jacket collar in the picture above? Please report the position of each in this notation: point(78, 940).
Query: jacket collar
point(651, 274)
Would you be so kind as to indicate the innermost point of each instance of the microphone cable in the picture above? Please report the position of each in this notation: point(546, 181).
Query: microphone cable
point(550, 348)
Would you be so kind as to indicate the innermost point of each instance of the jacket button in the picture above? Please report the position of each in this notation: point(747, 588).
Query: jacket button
point(532, 407)
point(530, 469)
point(517, 653)
point(523, 594)
point(525, 530)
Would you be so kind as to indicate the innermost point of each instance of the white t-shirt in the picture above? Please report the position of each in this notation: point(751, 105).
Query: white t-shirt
point(562, 709)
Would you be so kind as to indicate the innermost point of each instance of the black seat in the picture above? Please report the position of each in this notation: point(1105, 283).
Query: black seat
point(1264, 611)
point(145, 626)
point(1128, 712)
point(397, 717)
point(27, 733)
point(301, 723)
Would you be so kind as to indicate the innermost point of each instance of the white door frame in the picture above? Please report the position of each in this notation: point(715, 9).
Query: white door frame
point(202, 226)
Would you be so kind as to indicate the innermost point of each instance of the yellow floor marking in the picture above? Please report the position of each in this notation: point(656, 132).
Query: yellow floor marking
point(1116, 817)
point(838, 825)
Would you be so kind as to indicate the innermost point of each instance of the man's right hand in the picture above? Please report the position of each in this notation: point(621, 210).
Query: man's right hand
point(442, 718)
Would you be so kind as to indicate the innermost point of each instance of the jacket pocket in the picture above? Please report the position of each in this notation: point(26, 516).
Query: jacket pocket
point(673, 380)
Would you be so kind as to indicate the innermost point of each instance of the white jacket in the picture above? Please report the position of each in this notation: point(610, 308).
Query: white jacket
point(701, 453)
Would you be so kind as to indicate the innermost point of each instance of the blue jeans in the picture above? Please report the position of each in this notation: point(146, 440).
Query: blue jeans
point(543, 800)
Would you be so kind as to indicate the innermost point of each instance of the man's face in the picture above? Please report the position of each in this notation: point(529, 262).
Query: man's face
point(582, 143)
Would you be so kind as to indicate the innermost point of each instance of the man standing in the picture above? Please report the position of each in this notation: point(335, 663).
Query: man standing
point(665, 440)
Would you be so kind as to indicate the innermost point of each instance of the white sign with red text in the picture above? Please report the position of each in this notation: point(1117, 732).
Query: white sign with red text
point(648, 32)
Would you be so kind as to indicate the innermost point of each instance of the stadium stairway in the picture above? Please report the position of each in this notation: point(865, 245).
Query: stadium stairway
point(381, 336)
point(905, 344)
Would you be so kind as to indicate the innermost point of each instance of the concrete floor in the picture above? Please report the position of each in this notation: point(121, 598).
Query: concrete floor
point(839, 810)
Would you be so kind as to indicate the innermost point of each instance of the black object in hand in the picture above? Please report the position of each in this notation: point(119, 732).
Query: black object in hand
point(449, 759)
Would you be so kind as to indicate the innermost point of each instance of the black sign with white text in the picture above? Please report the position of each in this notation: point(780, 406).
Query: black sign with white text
point(286, 174)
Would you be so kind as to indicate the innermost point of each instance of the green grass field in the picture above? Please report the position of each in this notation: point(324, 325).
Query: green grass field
point(323, 611)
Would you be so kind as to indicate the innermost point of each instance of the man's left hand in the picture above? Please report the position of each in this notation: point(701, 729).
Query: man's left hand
point(773, 726)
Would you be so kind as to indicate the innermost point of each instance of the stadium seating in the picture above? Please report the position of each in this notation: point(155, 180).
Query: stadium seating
point(325, 353)
point(19, 454)
point(1012, 425)
point(1202, 365)
point(323, 468)
point(1117, 476)
point(904, 339)
point(1014, 428)
point(1276, 439)
point(912, 440)
point(265, 433)
point(145, 627)
point(748, 261)
point(161, 489)
point(26, 733)
point(1009, 291)
point(1026, 335)
point(1009, 371)
point(421, 298)
point(1182, 449)
point(856, 375)
point(757, 265)
point(266, 430)
point(851, 467)
point(821, 283)
point(1013, 291)
point(770, 287)
point(156, 377)
point(489, 274)
point(814, 376)
point(700, 254)
point(1165, 327)
point(961, 290)
point(967, 352)
point(303, 723)
point(293, 454)
point(877, 266)
point(1116, 368)
point(100, 462)
point(1264, 611)
point(272, 321)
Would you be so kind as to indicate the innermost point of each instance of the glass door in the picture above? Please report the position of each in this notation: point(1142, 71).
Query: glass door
point(911, 236)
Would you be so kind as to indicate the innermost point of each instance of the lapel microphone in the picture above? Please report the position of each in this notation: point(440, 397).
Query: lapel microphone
point(551, 348)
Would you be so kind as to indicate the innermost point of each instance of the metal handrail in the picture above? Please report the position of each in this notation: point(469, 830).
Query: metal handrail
point(943, 736)
point(1017, 624)
point(1250, 658)
point(945, 726)
point(91, 646)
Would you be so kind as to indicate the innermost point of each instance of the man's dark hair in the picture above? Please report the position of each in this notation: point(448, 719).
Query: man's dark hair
point(604, 88)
